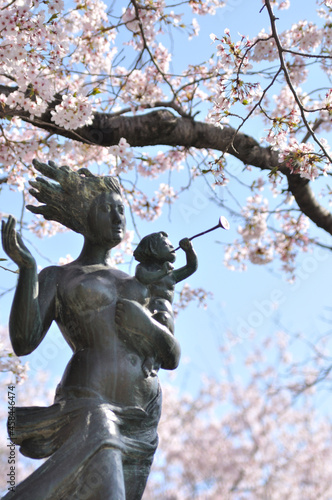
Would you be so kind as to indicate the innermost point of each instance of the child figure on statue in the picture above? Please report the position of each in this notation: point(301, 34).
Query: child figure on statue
point(155, 255)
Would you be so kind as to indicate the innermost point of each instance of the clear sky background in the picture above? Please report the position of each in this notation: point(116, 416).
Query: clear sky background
point(259, 299)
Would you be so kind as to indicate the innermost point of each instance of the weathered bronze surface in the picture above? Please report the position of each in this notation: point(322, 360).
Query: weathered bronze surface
point(101, 431)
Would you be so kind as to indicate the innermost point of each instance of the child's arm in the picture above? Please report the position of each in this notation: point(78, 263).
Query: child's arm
point(192, 262)
point(147, 276)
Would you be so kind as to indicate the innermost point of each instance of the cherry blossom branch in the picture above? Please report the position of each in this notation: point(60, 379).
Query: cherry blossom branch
point(315, 126)
point(8, 290)
point(8, 5)
point(152, 58)
point(305, 54)
point(288, 79)
point(162, 127)
point(257, 104)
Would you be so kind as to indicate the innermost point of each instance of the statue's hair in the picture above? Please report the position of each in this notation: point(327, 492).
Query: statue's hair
point(69, 199)
point(147, 249)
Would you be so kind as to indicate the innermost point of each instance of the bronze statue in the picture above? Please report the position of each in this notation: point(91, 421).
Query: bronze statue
point(101, 431)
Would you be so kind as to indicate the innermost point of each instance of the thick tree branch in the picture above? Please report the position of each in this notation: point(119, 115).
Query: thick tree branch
point(302, 192)
point(161, 127)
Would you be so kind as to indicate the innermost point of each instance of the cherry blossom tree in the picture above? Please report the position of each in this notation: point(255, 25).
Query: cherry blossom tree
point(92, 84)
point(249, 436)
point(98, 84)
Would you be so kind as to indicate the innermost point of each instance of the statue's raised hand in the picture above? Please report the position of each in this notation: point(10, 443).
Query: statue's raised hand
point(13, 245)
point(185, 244)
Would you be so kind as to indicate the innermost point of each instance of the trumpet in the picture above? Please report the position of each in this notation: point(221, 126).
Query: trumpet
point(223, 223)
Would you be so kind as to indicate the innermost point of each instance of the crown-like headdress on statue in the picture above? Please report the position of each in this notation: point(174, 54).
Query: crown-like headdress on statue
point(69, 199)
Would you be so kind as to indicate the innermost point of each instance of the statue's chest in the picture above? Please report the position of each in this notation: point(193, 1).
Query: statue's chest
point(163, 288)
point(87, 289)
point(91, 288)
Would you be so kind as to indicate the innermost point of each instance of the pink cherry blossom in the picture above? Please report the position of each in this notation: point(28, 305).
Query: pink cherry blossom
point(73, 112)
point(9, 363)
point(242, 436)
point(69, 62)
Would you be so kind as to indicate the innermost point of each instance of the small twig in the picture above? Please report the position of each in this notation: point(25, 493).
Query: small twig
point(8, 5)
point(258, 104)
point(6, 269)
point(312, 56)
point(131, 211)
point(8, 290)
point(315, 126)
point(22, 214)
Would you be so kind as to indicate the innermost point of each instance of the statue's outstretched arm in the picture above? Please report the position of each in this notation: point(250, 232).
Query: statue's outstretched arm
point(33, 305)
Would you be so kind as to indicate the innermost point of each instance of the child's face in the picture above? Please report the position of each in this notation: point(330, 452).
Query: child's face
point(165, 250)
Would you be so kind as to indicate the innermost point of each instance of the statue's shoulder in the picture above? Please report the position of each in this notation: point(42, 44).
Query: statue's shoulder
point(49, 275)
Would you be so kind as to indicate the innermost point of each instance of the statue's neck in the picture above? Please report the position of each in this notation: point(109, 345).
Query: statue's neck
point(93, 254)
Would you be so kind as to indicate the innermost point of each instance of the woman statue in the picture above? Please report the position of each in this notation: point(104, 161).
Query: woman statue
point(101, 431)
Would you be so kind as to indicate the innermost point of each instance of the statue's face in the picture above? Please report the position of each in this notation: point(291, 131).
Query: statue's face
point(165, 250)
point(106, 219)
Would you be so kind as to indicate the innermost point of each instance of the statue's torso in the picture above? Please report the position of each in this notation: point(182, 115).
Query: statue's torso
point(85, 313)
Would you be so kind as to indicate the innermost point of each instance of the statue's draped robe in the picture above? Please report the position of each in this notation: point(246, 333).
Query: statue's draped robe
point(76, 427)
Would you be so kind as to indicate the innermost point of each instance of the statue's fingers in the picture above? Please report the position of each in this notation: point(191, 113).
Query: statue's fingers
point(40, 182)
point(60, 172)
point(39, 196)
point(3, 230)
point(36, 210)
point(10, 227)
point(34, 184)
point(44, 186)
point(39, 165)
point(11, 221)
point(43, 181)
point(9, 240)
point(53, 164)
point(21, 242)
point(65, 168)
point(43, 191)
point(50, 170)
point(40, 188)
point(4, 226)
